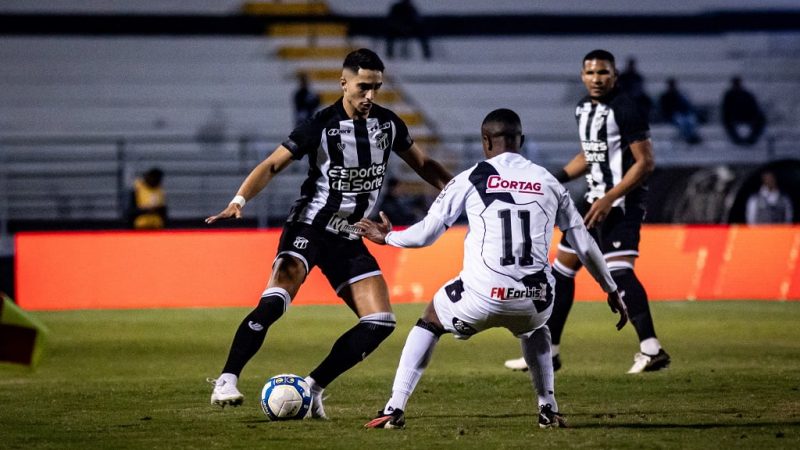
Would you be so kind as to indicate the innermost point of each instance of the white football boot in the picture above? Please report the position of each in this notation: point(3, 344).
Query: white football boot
point(225, 391)
point(516, 364)
point(642, 362)
point(316, 411)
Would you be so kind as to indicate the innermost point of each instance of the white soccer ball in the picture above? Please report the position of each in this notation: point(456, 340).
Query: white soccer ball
point(285, 397)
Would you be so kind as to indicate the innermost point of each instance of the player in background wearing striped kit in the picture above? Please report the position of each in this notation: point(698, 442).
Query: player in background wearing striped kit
point(616, 157)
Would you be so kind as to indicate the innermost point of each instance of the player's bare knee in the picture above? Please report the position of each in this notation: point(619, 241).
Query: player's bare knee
point(288, 273)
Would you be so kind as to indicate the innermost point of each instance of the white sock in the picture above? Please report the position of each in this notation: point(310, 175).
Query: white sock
point(536, 351)
point(227, 378)
point(650, 346)
point(413, 361)
point(554, 348)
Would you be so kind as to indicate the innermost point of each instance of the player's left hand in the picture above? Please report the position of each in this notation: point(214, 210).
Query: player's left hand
point(375, 232)
point(617, 304)
point(598, 212)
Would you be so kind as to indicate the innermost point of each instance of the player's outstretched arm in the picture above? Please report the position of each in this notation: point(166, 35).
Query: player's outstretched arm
point(573, 169)
point(375, 232)
point(429, 169)
point(256, 181)
point(590, 255)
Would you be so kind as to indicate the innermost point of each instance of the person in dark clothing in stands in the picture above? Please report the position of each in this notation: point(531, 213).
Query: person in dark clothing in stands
point(678, 110)
point(306, 101)
point(742, 117)
point(405, 22)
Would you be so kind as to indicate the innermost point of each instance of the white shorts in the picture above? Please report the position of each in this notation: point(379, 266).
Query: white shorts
point(464, 314)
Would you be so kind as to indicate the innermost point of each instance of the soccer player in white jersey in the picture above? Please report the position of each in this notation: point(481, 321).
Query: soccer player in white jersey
point(617, 157)
point(512, 206)
point(348, 145)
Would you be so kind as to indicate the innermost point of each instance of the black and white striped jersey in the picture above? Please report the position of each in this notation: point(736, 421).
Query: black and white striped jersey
point(606, 130)
point(347, 164)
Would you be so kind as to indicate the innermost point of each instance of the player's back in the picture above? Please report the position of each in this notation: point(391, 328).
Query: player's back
point(512, 211)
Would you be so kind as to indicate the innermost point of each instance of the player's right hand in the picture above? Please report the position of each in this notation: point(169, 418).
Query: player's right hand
point(232, 211)
point(375, 232)
point(617, 304)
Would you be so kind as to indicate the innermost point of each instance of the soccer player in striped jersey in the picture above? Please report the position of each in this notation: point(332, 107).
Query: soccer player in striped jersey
point(617, 157)
point(348, 145)
point(512, 206)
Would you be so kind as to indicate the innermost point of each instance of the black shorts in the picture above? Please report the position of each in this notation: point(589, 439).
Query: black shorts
point(342, 261)
point(617, 235)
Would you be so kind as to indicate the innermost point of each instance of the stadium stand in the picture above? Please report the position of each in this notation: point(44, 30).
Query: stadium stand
point(81, 115)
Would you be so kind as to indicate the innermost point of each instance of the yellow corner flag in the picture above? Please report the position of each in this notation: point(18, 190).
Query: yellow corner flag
point(21, 336)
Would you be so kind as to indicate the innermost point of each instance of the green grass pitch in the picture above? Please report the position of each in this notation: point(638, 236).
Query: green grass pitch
point(136, 379)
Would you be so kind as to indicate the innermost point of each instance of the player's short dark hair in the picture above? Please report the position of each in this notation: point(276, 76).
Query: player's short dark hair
point(363, 58)
point(504, 116)
point(602, 55)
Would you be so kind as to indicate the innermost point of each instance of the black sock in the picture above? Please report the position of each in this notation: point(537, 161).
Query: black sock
point(353, 346)
point(636, 300)
point(253, 329)
point(565, 295)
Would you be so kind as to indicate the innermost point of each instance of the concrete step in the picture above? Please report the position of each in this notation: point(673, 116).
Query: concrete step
point(290, 8)
point(327, 29)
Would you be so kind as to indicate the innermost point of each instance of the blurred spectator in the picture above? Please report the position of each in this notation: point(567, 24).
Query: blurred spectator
point(404, 23)
point(743, 119)
point(631, 82)
point(213, 132)
point(404, 209)
point(769, 204)
point(678, 110)
point(149, 206)
point(306, 101)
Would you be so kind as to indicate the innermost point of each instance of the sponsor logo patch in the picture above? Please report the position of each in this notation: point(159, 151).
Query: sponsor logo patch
point(255, 326)
point(338, 224)
point(595, 151)
point(462, 327)
point(496, 183)
point(534, 293)
point(357, 179)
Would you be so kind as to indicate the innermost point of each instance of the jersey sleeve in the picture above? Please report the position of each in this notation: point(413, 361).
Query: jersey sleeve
point(305, 138)
point(441, 216)
point(567, 216)
point(402, 139)
point(633, 125)
point(449, 205)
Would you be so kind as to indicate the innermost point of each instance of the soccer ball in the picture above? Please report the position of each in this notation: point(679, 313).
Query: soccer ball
point(285, 397)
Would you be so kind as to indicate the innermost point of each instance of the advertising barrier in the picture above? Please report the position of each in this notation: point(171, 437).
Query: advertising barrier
point(173, 269)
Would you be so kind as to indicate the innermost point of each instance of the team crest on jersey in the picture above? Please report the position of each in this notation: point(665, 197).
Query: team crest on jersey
point(382, 141)
point(300, 242)
point(496, 183)
point(462, 327)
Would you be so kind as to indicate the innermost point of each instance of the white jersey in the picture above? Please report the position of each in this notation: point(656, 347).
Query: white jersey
point(512, 206)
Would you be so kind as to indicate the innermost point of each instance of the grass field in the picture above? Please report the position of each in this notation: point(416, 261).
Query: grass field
point(136, 379)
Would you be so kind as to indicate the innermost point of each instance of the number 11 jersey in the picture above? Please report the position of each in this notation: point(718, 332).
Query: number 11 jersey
point(512, 206)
